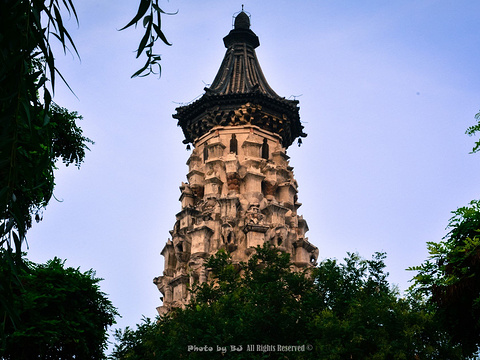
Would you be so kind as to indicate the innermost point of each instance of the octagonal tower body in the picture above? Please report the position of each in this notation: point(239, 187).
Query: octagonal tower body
point(240, 190)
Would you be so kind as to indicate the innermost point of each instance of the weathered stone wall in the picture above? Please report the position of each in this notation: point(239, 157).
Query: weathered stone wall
point(240, 193)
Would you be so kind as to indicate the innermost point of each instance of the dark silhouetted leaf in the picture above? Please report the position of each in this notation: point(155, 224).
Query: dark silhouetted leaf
point(160, 34)
point(142, 9)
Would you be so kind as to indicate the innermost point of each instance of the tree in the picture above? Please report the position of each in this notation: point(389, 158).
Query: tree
point(63, 313)
point(449, 278)
point(34, 132)
point(472, 130)
point(335, 311)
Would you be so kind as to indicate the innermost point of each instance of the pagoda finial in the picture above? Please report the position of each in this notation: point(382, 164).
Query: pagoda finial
point(242, 21)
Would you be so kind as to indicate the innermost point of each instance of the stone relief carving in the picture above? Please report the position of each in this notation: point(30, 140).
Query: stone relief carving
point(233, 182)
point(228, 238)
point(253, 215)
point(278, 236)
point(235, 202)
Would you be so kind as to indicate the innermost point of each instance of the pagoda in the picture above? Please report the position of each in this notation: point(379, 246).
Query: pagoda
point(240, 191)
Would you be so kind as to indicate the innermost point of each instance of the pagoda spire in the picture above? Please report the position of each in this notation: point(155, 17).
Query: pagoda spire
point(240, 71)
point(240, 80)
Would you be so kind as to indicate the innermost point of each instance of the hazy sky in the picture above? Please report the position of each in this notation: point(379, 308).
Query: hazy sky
point(386, 90)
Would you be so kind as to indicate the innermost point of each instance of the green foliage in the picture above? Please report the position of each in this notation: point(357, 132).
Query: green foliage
point(27, 163)
point(449, 278)
point(472, 130)
point(63, 314)
point(34, 132)
point(30, 181)
point(67, 140)
point(149, 12)
point(335, 311)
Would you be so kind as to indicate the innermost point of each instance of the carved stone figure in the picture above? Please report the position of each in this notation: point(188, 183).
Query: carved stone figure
point(234, 144)
point(228, 236)
point(253, 215)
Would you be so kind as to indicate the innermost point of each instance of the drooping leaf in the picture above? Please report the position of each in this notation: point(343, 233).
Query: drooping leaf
point(148, 24)
point(160, 34)
point(144, 40)
point(142, 9)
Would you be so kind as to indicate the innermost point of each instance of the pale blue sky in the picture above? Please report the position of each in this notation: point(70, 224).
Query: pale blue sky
point(386, 90)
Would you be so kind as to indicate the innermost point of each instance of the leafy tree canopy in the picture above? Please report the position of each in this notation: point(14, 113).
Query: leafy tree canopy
point(450, 280)
point(34, 132)
point(63, 314)
point(335, 311)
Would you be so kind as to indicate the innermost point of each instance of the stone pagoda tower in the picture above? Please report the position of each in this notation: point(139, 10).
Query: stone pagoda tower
point(241, 191)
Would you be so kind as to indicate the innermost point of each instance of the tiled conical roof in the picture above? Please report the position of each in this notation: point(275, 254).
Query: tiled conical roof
point(240, 71)
point(240, 81)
